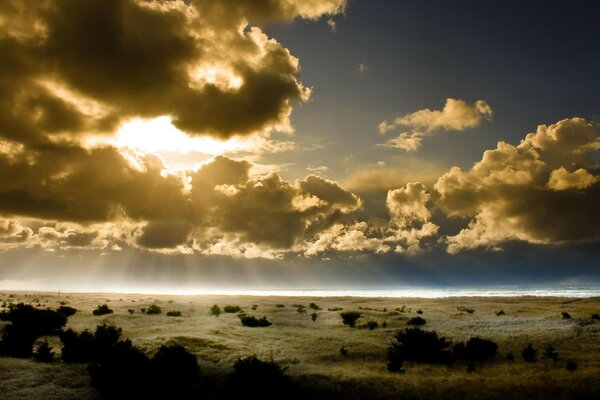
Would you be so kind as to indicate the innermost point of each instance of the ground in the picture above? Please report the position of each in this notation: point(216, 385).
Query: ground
point(311, 349)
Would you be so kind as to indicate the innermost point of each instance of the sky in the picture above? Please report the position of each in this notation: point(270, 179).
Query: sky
point(183, 145)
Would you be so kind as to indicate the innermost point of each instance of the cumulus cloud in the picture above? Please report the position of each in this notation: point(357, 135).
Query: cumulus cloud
point(544, 190)
point(457, 115)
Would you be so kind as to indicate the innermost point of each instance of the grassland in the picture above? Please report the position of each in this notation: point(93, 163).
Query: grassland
point(311, 349)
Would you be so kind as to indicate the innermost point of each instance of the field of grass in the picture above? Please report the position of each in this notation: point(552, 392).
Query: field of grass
point(310, 350)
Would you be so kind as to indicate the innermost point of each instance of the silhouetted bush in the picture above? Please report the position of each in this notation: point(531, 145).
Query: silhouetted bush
point(301, 309)
point(130, 311)
point(335, 309)
point(466, 309)
point(384, 324)
point(27, 324)
point(215, 310)
point(43, 353)
point(416, 321)
point(173, 313)
point(510, 357)
point(174, 369)
point(253, 322)
point(419, 311)
point(314, 306)
point(314, 316)
point(550, 353)
point(66, 310)
point(529, 353)
point(280, 305)
point(596, 317)
point(566, 315)
point(102, 309)
point(372, 325)
point(350, 317)
point(232, 309)
point(254, 306)
point(256, 379)
point(571, 365)
point(476, 349)
point(343, 351)
point(122, 371)
point(87, 347)
point(414, 344)
point(153, 309)
point(499, 313)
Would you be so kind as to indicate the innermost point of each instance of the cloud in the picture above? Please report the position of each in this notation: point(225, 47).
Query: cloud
point(69, 69)
point(544, 190)
point(456, 115)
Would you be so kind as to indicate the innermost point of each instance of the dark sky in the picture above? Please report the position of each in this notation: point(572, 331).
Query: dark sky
point(312, 144)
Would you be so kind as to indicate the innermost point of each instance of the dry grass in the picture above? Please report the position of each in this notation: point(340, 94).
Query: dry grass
point(310, 349)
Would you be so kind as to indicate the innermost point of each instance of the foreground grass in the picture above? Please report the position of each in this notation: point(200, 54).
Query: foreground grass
point(310, 349)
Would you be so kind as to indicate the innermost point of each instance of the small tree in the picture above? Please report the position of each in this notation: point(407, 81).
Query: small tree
point(253, 322)
point(414, 344)
point(43, 352)
point(314, 316)
point(416, 321)
point(314, 306)
point(350, 317)
point(215, 310)
point(153, 309)
point(566, 315)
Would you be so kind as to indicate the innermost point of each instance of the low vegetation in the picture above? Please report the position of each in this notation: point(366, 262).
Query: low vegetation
point(253, 322)
point(174, 313)
point(102, 309)
point(350, 317)
point(416, 321)
point(215, 310)
point(153, 309)
point(232, 309)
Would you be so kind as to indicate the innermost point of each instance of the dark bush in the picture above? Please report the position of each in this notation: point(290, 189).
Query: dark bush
point(153, 309)
point(595, 317)
point(350, 317)
point(122, 371)
point(510, 357)
point(66, 310)
point(571, 365)
point(343, 351)
point(314, 316)
point(254, 306)
point(27, 324)
point(372, 325)
point(43, 353)
point(314, 306)
point(416, 321)
point(130, 310)
point(414, 344)
point(335, 309)
point(280, 305)
point(529, 353)
point(466, 309)
point(499, 313)
point(232, 309)
point(476, 349)
point(384, 324)
point(566, 315)
point(301, 310)
point(87, 347)
point(419, 312)
point(257, 379)
point(550, 353)
point(102, 309)
point(173, 313)
point(253, 322)
point(215, 310)
point(174, 369)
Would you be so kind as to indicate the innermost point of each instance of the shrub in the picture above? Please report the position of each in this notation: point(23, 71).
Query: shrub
point(550, 353)
point(258, 379)
point(335, 309)
point(566, 315)
point(280, 305)
point(417, 321)
point(253, 322)
point(66, 310)
point(85, 346)
point(349, 318)
point(153, 309)
point(466, 309)
point(215, 310)
point(254, 306)
point(102, 309)
point(174, 369)
point(510, 357)
point(595, 317)
point(414, 344)
point(343, 351)
point(301, 310)
point(384, 324)
point(232, 309)
point(419, 311)
point(173, 313)
point(529, 353)
point(314, 316)
point(571, 365)
point(476, 349)
point(43, 352)
point(130, 311)
point(372, 325)
point(499, 313)
point(27, 324)
point(314, 306)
